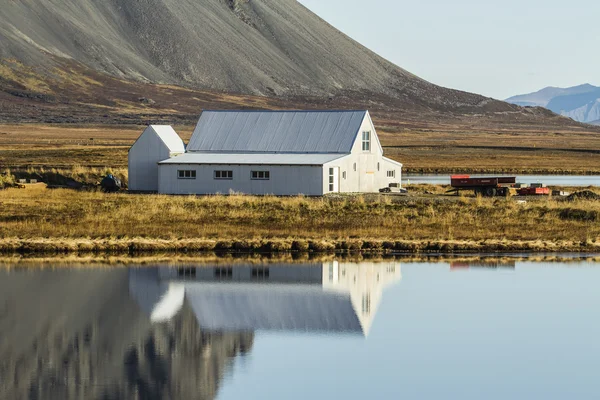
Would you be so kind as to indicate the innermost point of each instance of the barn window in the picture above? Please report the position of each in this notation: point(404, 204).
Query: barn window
point(366, 304)
point(223, 273)
point(366, 141)
point(261, 175)
point(260, 273)
point(331, 179)
point(391, 174)
point(186, 174)
point(223, 174)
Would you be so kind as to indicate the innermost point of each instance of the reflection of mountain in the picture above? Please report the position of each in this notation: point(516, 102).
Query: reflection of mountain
point(77, 334)
point(329, 297)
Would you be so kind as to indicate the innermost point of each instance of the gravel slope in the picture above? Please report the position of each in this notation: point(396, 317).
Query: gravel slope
point(265, 47)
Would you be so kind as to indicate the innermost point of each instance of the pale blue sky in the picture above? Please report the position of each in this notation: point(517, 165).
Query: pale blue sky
point(495, 48)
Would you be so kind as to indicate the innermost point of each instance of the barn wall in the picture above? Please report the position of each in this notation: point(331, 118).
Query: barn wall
point(371, 166)
point(285, 180)
point(143, 160)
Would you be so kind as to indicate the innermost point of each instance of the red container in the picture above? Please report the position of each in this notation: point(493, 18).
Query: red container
point(529, 191)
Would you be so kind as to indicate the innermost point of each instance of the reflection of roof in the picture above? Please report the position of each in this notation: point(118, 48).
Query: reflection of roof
point(271, 307)
point(277, 131)
point(253, 158)
point(330, 297)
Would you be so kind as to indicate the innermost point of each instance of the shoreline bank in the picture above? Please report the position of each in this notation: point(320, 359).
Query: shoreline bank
point(145, 246)
point(211, 259)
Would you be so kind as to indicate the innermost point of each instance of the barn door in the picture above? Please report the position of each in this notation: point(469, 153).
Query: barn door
point(334, 179)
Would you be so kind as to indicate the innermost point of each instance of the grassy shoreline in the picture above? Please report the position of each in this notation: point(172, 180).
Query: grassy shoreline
point(144, 246)
point(209, 259)
point(38, 220)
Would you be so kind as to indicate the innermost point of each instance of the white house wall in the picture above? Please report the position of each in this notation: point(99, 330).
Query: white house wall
point(143, 157)
point(284, 180)
point(371, 167)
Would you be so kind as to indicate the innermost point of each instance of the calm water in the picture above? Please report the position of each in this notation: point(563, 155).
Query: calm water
point(550, 180)
point(485, 330)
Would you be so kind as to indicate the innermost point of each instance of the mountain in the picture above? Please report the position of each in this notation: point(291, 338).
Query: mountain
point(256, 47)
point(581, 103)
point(162, 61)
point(261, 47)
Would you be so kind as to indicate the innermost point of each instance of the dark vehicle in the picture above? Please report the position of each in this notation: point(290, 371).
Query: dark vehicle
point(487, 187)
point(393, 188)
point(110, 184)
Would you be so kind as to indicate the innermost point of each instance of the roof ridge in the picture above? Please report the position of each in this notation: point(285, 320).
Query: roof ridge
point(285, 111)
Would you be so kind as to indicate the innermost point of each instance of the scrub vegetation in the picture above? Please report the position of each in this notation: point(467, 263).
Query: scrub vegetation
point(37, 219)
point(422, 149)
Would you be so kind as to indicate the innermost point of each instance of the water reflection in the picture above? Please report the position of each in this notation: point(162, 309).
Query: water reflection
point(466, 265)
point(516, 328)
point(162, 333)
point(78, 334)
point(326, 297)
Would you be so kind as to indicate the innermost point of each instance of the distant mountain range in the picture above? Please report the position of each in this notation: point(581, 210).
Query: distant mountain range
point(581, 103)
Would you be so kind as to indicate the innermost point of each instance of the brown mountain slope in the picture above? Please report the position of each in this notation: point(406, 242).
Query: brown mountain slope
point(258, 47)
point(146, 61)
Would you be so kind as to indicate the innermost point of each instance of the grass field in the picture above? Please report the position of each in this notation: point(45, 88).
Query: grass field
point(419, 149)
point(67, 220)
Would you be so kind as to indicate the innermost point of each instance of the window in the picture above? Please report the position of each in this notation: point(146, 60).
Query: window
point(366, 141)
point(391, 174)
point(377, 166)
point(261, 175)
point(223, 174)
point(186, 174)
point(355, 167)
point(366, 304)
point(223, 273)
point(186, 272)
point(331, 180)
point(260, 273)
point(344, 174)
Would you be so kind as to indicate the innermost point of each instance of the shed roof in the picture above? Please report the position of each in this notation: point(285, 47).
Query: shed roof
point(253, 158)
point(169, 137)
point(277, 131)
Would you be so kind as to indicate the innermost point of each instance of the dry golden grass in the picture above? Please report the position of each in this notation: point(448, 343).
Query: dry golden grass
point(57, 146)
point(419, 149)
point(451, 150)
point(67, 220)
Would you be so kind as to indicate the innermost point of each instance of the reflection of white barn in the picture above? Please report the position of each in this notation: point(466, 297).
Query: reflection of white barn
point(265, 152)
point(327, 297)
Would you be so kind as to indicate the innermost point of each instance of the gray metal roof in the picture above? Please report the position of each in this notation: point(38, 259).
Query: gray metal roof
point(235, 307)
point(253, 158)
point(277, 131)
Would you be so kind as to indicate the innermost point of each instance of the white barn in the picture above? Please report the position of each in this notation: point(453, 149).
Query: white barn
point(273, 152)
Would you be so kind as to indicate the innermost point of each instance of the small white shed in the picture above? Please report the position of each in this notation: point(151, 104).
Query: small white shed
point(156, 143)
